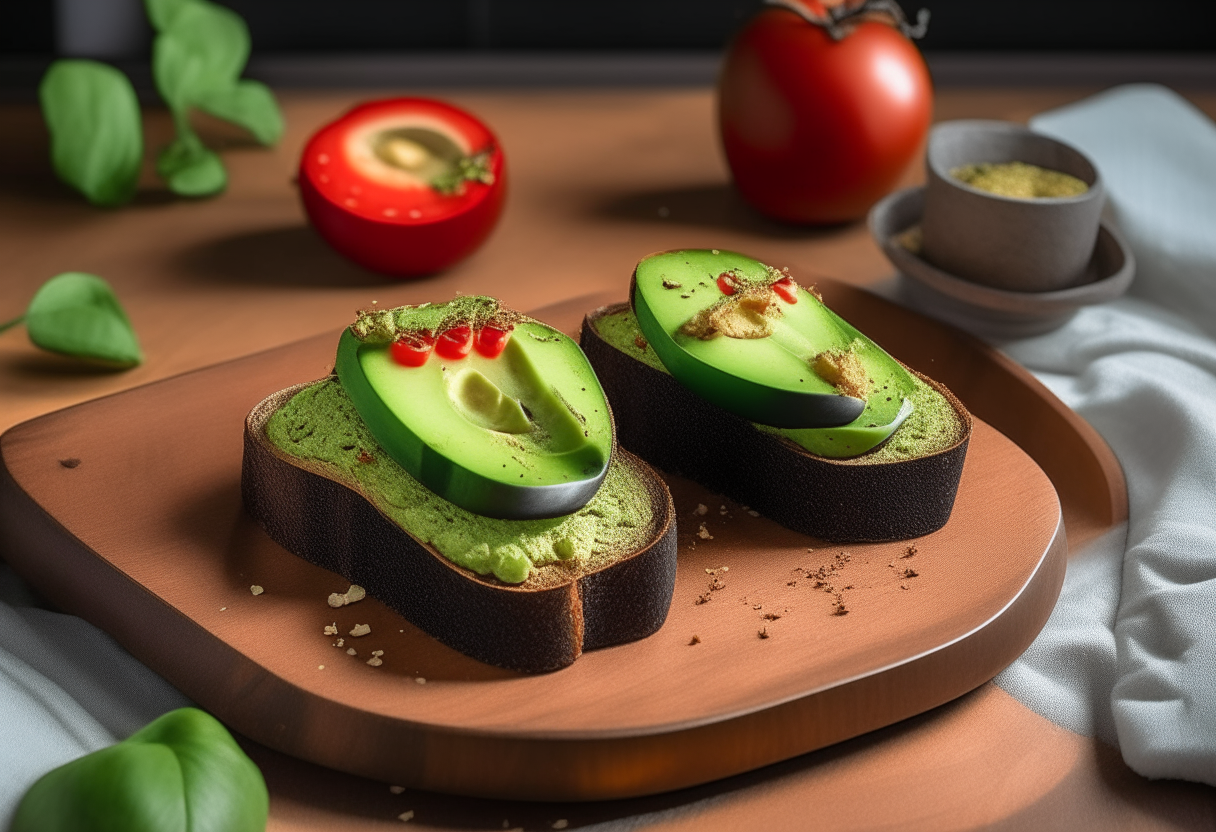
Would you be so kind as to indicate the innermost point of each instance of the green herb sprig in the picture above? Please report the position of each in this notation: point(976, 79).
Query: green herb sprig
point(198, 56)
point(78, 315)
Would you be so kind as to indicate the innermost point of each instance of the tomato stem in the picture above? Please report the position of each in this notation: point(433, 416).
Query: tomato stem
point(839, 20)
point(12, 323)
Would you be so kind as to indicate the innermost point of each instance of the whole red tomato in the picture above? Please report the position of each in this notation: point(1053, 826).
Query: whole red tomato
point(816, 130)
point(403, 186)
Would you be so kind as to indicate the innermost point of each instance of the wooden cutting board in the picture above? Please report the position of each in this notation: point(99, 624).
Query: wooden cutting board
point(126, 510)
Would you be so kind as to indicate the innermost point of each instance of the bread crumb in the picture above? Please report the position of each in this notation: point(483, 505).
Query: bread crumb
point(355, 593)
point(377, 652)
point(704, 599)
point(336, 600)
point(375, 661)
point(753, 512)
point(640, 343)
point(560, 824)
point(762, 632)
point(910, 572)
point(696, 639)
point(360, 630)
point(396, 789)
point(352, 652)
point(703, 533)
point(320, 667)
point(331, 629)
point(770, 616)
point(420, 680)
point(222, 609)
point(256, 590)
point(340, 643)
point(910, 552)
point(406, 817)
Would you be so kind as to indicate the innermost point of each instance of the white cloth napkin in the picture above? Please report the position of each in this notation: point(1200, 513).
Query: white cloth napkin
point(1129, 654)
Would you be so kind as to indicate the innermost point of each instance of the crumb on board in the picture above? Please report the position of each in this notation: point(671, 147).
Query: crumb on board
point(70, 462)
point(701, 509)
point(341, 599)
point(406, 817)
point(562, 823)
point(360, 630)
point(331, 629)
point(256, 590)
point(703, 533)
point(375, 661)
point(396, 789)
point(420, 680)
point(696, 639)
point(762, 632)
point(352, 651)
point(320, 667)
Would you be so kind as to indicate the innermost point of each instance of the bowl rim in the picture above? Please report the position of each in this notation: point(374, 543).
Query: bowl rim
point(1096, 189)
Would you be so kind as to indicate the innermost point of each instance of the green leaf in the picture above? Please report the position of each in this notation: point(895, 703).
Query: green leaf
point(191, 169)
point(77, 314)
point(250, 104)
point(203, 49)
point(96, 134)
point(181, 773)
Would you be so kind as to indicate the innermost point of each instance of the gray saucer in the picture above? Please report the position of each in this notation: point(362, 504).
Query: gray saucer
point(983, 310)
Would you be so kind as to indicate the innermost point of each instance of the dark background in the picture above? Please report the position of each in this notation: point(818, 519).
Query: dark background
point(27, 27)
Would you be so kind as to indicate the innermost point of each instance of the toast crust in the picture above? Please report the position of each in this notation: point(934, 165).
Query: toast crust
point(842, 500)
point(542, 625)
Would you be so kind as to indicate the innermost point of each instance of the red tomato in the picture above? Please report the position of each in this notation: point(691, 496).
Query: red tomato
point(381, 185)
point(817, 130)
point(726, 283)
point(412, 350)
point(490, 341)
point(455, 342)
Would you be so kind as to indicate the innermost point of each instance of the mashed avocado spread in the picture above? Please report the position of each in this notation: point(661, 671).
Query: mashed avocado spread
point(932, 426)
point(320, 425)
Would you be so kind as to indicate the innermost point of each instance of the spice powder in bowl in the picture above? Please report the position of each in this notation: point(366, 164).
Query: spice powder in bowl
point(1019, 180)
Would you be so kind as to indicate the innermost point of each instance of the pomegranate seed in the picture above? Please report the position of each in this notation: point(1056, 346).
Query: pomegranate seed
point(787, 289)
point(412, 350)
point(491, 340)
point(727, 283)
point(455, 343)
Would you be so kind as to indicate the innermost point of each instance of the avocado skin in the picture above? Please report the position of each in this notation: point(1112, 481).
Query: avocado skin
point(846, 501)
point(330, 524)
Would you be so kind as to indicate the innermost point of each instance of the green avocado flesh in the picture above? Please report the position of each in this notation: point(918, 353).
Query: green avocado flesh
point(932, 426)
point(778, 369)
point(320, 425)
point(521, 435)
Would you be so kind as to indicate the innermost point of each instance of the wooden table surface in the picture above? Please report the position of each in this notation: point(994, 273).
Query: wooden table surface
point(208, 280)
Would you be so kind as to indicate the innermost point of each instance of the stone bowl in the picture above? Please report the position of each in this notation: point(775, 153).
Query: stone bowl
point(1020, 245)
point(995, 314)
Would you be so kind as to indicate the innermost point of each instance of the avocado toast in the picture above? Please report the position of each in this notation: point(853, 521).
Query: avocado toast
point(476, 488)
point(854, 447)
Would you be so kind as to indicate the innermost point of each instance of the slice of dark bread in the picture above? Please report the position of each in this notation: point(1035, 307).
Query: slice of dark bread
point(843, 500)
point(315, 512)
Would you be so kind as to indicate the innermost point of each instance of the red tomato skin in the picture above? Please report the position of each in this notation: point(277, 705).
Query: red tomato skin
point(402, 247)
point(411, 352)
point(816, 131)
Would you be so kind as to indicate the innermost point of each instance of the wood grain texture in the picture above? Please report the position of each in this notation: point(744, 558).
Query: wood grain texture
point(156, 549)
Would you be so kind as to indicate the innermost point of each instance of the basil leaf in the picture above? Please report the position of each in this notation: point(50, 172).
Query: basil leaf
point(190, 168)
point(77, 314)
point(204, 48)
point(249, 104)
point(96, 135)
point(181, 773)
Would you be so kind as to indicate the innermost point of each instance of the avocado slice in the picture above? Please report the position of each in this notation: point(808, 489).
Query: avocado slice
point(781, 359)
point(522, 434)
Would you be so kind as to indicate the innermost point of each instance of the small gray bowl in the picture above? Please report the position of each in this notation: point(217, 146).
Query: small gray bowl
point(1021, 245)
point(992, 313)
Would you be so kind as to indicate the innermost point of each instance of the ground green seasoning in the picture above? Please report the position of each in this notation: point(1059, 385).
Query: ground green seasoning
point(1019, 180)
point(320, 425)
point(933, 425)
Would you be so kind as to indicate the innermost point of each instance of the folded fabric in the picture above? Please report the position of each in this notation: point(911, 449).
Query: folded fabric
point(1130, 652)
point(66, 689)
